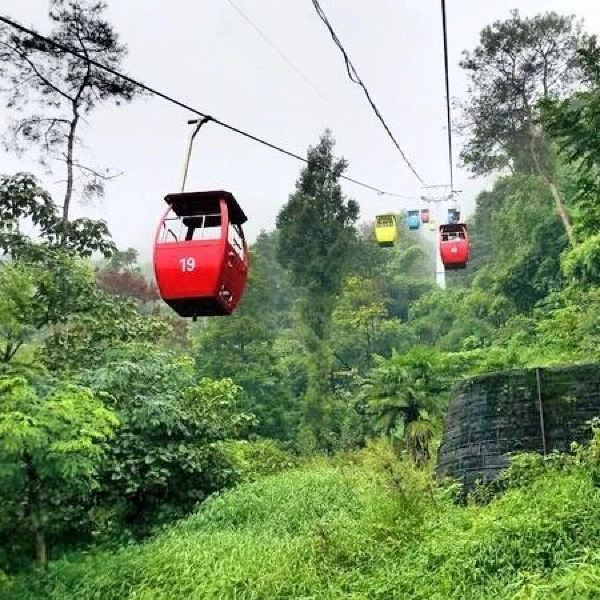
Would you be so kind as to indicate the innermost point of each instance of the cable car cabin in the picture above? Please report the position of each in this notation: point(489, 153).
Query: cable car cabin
point(454, 245)
point(425, 215)
point(386, 230)
point(413, 219)
point(200, 254)
point(453, 216)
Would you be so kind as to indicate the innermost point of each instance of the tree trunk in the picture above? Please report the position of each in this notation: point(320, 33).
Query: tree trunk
point(558, 200)
point(70, 149)
point(36, 514)
point(41, 555)
point(560, 209)
point(10, 350)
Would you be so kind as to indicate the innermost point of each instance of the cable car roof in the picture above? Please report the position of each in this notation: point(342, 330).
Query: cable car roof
point(184, 203)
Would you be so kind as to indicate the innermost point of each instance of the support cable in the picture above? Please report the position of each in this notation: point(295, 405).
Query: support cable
point(179, 103)
point(355, 78)
point(280, 52)
point(448, 113)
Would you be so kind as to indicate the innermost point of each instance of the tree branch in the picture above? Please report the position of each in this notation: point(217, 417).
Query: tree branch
point(38, 74)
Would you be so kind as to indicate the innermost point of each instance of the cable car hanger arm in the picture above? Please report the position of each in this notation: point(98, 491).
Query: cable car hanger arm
point(186, 164)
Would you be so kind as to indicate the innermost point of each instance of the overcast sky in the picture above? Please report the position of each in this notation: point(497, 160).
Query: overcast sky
point(206, 54)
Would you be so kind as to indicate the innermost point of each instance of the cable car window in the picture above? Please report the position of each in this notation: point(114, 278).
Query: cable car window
point(451, 236)
point(190, 228)
point(236, 240)
point(203, 227)
point(171, 230)
point(385, 221)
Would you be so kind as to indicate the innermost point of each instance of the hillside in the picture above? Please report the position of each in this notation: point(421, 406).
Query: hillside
point(363, 526)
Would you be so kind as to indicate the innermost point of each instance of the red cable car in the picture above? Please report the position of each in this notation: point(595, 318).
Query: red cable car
point(454, 245)
point(425, 215)
point(200, 254)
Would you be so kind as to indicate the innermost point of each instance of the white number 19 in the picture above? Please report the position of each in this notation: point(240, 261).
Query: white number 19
point(187, 264)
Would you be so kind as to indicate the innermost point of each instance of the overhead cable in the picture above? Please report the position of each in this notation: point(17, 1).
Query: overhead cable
point(282, 55)
point(448, 113)
point(355, 78)
point(179, 103)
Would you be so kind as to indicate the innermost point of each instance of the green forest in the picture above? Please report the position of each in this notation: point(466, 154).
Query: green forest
point(289, 450)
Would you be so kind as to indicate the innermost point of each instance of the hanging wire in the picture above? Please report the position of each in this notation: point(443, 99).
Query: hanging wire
point(448, 113)
point(280, 52)
point(355, 78)
point(179, 103)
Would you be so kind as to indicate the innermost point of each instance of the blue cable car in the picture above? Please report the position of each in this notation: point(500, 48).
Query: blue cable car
point(413, 219)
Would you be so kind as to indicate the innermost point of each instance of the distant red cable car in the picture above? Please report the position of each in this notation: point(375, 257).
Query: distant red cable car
point(454, 245)
point(425, 215)
point(200, 254)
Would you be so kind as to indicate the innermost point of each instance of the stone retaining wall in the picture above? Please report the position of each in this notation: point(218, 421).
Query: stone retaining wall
point(532, 410)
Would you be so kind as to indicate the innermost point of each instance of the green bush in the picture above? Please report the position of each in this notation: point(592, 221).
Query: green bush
point(255, 458)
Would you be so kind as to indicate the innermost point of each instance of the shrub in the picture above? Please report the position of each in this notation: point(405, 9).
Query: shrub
point(255, 458)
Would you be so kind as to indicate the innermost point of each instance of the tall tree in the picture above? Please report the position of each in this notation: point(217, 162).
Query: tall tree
point(517, 63)
point(52, 90)
point(316, 233)
point(38, 296)
point(573, 123)
point(164, 458)
point(122, 276)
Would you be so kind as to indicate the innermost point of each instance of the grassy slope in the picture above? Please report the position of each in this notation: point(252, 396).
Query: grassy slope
point(363, 530)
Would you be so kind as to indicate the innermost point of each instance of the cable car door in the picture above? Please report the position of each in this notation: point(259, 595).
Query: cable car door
point(235, 265)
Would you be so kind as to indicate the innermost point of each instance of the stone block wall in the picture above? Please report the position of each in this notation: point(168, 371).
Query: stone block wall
point(531, 410)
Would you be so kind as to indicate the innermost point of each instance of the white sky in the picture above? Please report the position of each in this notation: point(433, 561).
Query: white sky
point(204, 53)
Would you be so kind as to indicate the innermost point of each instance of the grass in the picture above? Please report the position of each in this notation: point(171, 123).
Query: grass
point(364, 527)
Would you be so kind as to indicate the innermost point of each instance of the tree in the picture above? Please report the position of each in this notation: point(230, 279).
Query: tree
point(67, 87)
point(91, 338)
point(164, 458)
point(403, 395)
point(528, 240)
point(316, 233)
point(361, 324)
point(402, 273)
point(244, 349)
point(122, 276)
point(573, 124)
point(517, 63)
point(251, 348)
point(16, 326)
point(25, 204)
point(51, 449)
point(36, 296)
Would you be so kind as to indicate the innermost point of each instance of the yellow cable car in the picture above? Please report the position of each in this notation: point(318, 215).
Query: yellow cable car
point(386, 230)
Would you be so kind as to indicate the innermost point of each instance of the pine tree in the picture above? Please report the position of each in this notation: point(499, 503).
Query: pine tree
point(317, 232)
